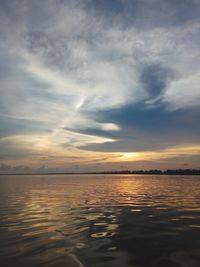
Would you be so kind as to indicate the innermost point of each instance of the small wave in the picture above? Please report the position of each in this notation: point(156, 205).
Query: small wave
point(75, 261)
point(70, 261)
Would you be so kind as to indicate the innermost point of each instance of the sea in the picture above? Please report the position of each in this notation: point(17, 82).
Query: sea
point(99, 220)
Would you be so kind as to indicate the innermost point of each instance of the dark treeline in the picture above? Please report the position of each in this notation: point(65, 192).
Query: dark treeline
point(159, 172)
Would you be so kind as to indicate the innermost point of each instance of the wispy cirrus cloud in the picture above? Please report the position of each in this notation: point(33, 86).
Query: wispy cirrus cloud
point(123, 71)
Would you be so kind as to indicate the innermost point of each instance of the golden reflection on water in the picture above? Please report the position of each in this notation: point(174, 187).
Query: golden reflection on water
point(68, 214)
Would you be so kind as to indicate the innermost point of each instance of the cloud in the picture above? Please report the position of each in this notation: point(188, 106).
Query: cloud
point(82, 73)
point(6, 168)
point(147, 129)
point(183, 93)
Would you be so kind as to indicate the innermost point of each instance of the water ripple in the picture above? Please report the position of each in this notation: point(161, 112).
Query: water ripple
point(99, 221)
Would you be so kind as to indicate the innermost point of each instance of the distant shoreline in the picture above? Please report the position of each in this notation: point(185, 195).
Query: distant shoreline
point(140, 172)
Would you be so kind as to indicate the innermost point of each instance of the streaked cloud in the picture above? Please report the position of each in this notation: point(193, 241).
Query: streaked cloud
point(98, 77)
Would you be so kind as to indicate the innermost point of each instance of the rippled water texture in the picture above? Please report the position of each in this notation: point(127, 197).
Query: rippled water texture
point(100, 220)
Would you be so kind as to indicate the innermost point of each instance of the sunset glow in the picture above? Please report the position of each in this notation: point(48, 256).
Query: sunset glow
point(85, 86)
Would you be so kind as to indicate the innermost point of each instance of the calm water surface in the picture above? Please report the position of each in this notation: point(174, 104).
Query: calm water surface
point(100, 220)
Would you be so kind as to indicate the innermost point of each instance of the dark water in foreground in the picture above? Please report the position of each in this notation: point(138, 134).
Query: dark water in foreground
point(100, 220)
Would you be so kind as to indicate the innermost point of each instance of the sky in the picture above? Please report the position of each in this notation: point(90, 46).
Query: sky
point(93, 85)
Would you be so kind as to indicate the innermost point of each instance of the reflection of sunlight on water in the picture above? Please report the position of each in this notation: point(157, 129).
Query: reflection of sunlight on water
point(136, 210)
point(104, 229)
point(101, 219)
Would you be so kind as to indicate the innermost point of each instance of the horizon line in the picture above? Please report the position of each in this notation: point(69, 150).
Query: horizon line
point(140, 172)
